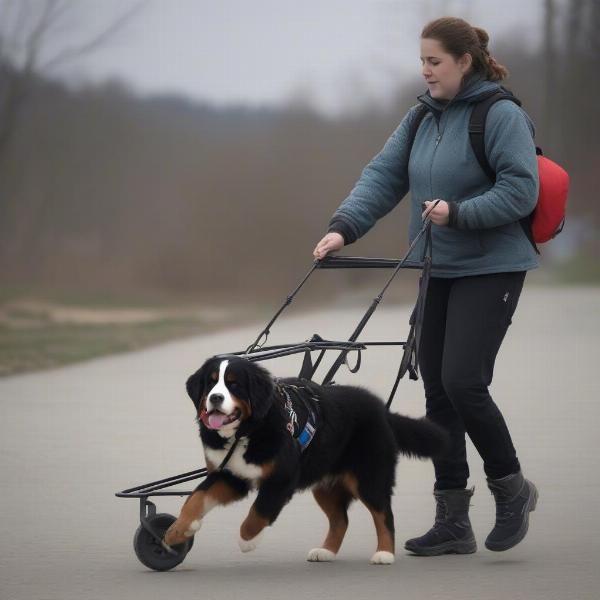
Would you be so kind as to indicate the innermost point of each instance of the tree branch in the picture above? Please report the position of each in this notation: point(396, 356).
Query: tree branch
point(77, 51)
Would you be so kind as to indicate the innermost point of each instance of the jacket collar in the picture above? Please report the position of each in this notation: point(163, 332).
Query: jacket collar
point(474, 88)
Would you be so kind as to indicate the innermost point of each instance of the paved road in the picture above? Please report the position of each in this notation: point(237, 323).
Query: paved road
point(71, 437)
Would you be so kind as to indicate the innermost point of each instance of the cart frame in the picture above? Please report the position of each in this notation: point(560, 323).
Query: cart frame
point(257, 351)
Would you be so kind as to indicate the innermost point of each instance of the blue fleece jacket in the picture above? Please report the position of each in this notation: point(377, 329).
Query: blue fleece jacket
point(483, 235)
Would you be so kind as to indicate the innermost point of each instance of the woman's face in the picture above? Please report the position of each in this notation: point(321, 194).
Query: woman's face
point(441, 70)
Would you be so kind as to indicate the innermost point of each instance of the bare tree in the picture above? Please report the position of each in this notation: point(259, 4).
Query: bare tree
point(550, 68)
point(26, 26)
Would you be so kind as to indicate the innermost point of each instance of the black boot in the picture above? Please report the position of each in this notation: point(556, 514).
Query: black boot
point(515, 498)
point(451, 533)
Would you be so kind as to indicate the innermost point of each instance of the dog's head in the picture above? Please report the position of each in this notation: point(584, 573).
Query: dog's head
point(228, 390)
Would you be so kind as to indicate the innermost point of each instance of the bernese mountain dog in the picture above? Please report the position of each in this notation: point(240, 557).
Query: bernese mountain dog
point(280, 435)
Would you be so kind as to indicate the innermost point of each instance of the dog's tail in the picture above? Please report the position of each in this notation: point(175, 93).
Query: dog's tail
point(419, 438)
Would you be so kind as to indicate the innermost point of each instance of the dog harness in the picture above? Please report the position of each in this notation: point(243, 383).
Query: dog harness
point(307, 398)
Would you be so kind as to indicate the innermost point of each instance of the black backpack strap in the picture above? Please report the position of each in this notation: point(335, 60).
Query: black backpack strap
point(420, 113)
point(477, 139)
point(477, 127)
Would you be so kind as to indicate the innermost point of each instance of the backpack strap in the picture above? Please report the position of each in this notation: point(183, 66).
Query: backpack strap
point(477, 139)
point(420, 113)
point(477, 127)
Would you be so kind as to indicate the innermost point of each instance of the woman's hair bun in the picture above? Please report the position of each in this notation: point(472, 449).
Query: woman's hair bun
point(483, 36)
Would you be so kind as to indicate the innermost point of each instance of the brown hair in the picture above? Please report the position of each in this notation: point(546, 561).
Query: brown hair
point(459, 37)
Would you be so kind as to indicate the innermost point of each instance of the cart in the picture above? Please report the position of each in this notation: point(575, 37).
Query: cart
point(147, 541)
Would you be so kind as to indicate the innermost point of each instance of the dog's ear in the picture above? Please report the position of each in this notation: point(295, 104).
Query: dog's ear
point(260, 389)
point(197, 384)
point(195, 387)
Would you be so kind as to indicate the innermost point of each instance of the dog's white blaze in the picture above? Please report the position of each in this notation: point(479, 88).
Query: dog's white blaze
point(236, 463)
point(220, 388)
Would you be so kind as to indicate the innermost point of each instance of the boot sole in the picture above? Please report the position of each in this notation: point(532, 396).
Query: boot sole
point(454, 547)
point(517, 537)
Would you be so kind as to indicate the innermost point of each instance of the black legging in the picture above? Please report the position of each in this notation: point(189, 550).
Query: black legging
point(464, 323)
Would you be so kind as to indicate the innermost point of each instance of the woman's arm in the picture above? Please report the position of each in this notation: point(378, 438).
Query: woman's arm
point(510, 151)
point(382, 184)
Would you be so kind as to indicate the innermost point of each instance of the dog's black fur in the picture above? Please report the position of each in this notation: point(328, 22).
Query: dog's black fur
point(357, 440)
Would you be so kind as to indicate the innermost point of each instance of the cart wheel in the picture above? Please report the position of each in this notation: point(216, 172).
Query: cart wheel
point(150, 551)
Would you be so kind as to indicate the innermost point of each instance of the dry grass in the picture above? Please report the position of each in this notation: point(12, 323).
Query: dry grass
point(38, 333)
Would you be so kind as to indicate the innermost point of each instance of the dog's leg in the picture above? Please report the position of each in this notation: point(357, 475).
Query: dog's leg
point(334, 500)
point(252, 529)
point(379, 504)
point(273, 495)
point(218, 488)
point(384, 526)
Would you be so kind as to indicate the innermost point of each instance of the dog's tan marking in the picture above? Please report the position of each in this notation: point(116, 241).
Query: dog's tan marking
point(253, 524)
point(244, 407)
point(349, 480)
point(267, 469)
point(385, 538)
point(334, 502)
point(195, 508)
point(210, 465)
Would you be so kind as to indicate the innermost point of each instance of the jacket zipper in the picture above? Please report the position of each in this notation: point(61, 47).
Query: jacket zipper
point(437, 142)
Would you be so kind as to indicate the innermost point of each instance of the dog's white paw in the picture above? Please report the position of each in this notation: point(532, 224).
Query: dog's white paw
point(320, 555)
point(249, 545)
point(382, 558)
point(193, 528)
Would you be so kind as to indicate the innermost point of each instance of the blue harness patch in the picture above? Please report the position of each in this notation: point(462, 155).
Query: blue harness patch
point(305, 395)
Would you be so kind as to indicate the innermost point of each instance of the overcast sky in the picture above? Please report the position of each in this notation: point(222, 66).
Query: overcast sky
point(338, 53)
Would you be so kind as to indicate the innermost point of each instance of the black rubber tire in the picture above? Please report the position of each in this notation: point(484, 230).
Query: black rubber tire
point(150, 551)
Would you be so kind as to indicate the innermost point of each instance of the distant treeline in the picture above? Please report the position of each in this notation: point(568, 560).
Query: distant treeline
point(101, 189)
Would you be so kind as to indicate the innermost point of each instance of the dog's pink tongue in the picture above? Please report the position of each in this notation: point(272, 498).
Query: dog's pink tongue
point(216, 420)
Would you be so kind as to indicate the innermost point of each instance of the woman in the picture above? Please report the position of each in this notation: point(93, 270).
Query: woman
point(480, 257)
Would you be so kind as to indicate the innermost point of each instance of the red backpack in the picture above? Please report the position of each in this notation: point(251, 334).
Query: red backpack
point(548, 217)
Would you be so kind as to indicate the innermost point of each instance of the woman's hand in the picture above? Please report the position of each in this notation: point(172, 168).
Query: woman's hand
point(331, 242)
point(439, 214)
